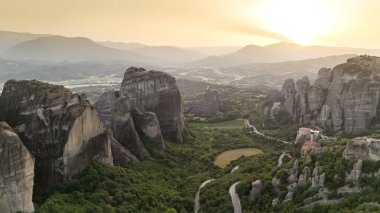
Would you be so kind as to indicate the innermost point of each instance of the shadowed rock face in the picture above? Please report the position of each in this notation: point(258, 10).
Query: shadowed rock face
point(342, 99)
point(147, 124)
point(157, 92)
point(124, 129)
point(148, 104)
point(16, 173)
point(207, 106)
point(104, 106)
point(363, 149)
point(55, 125)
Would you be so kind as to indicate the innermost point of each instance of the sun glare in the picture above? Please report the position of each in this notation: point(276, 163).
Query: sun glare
point(302, 21)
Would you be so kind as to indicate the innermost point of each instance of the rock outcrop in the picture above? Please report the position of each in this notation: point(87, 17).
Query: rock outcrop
point(256, 189)
point(147, 108)
point(157, 92)
point(60, 129)
point(208, 106)
point(104, 106)
point(16, 173)
point(344, 98)
point(124, 129)
point(355, 172)
point(362, 149)
point(148, 124)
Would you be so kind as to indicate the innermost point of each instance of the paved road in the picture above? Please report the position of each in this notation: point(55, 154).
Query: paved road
point(282, 157)
point(197, 195)
point(235, 168)
point(235, 198)
point(247, 125)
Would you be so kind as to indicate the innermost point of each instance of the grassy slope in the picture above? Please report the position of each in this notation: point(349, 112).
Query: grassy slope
point(223, 159)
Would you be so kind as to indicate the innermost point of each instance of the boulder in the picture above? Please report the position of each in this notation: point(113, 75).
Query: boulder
point(16, 173)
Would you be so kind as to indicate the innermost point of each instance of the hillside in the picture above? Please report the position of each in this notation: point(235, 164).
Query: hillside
point(261, 74)
point(279, 52)
point(59, 48)
point(8, 39)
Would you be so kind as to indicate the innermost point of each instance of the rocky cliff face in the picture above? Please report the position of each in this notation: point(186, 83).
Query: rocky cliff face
point(59, 128)
point(104, 106)
point(344, 98)
point(208, 106)
point(362, 149)
point(124, 129)
point(16, 173)
point(157, 92)
point(148, 106)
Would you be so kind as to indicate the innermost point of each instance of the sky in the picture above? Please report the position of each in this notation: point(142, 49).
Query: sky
point(353, 23)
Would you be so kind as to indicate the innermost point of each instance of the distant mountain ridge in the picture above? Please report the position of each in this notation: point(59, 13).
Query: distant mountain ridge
point(60, 48)
point(53, 48)
point(279, 52)
point(9, 39)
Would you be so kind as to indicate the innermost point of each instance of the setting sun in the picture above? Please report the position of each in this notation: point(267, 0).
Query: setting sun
point(299, 20)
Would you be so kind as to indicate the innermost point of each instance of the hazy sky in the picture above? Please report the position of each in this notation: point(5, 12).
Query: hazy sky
point(354, 23)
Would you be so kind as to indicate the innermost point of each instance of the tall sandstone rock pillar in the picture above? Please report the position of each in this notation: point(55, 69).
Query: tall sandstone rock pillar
point(16, 173)
point(59, 128)
point(157, 92)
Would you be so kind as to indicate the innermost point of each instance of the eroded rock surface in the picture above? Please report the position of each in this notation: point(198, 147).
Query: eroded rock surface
point(124, 129)
point(342, 99)
point(362, 149)
point(148, 124)
point(208, 106)
point(157, 92)
point(55, 125)
point(16, 173)
point(104, 106)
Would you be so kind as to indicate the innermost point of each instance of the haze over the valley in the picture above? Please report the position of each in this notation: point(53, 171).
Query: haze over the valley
point(243, 43)
point(200, 23)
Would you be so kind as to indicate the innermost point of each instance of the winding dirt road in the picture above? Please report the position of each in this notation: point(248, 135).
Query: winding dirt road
point(235, 198)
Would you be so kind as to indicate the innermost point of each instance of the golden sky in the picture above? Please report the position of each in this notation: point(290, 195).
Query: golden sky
point(354, 23)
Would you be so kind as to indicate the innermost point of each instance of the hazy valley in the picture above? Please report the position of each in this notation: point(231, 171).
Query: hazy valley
point(101, 126)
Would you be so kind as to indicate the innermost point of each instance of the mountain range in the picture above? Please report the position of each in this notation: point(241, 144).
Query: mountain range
point(53, 48)
point(279, 52)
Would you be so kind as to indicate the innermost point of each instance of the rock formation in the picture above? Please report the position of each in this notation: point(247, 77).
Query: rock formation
point(148, 107)
point(362, 149)
point(289, 94)
point(156, 92)
point(317, 181)
point(16, 173)
point(60, 129)
point(355, 172)
point(208, 106)
point(304, 177)
point(148, 124)
point(344, 98)
point(124, 129)
point(256, 189)
point(104, 106)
